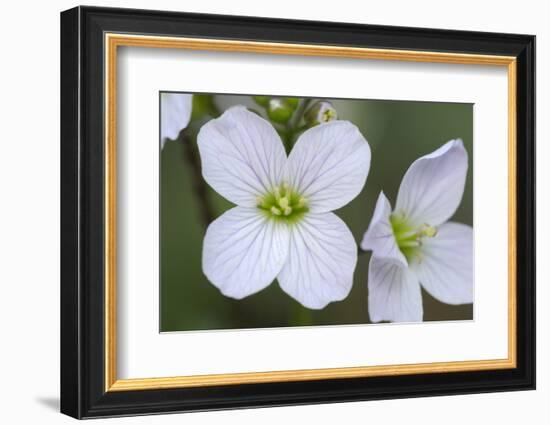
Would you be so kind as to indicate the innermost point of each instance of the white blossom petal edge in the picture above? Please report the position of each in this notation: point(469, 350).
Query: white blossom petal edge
point(175, 113)
point(282, 226)
point(416, 245)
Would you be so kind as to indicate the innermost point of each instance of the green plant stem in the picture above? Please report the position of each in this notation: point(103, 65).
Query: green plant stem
point(191, 156)
point(214, 110)
point(293, 126)
point(300, 111)
point(199, 185)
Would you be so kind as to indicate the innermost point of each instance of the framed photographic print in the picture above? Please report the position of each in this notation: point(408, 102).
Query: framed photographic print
point(261, 212)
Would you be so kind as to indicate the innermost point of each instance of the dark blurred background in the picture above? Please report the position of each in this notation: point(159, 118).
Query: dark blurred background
point(398, 133)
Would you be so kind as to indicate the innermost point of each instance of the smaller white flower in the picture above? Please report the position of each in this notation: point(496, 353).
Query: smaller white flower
point(416, 244)
point(175, 113)
point(283, 226)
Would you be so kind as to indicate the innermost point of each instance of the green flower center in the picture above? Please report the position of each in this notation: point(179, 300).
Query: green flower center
point(409, 238)
point(284, 204)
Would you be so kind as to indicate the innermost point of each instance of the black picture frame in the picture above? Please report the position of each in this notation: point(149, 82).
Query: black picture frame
point(83, 392)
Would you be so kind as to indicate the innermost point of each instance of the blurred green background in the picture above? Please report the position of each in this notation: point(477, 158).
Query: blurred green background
point(398, 133)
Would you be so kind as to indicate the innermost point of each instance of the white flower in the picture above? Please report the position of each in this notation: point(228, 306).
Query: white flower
point(175, 113)
point(282, 226)
point(415, 244)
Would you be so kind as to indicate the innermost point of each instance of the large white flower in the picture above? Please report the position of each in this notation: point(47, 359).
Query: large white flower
point(175, 113)
point(416, 244)
point(282, 226)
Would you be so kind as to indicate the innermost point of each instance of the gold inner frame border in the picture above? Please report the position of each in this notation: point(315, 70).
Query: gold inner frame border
point(111, 43)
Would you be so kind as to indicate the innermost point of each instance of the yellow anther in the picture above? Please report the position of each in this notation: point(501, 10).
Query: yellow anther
point(283, 202)
point(277, 192)
point(301, 202)
point(328, 115)
point(428, 231)
point(287, 210)
point(275, 211)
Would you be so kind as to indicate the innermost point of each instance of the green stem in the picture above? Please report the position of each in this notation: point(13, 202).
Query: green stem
point(203, 106)
point(299, 114)
point(214, 110)
point(200, 188)
point(293, 126)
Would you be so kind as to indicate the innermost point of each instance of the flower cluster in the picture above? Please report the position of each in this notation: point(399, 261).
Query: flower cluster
point(283, 226)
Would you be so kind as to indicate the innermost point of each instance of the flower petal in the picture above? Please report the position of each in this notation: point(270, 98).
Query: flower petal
point(242, 156)
point(243, 251)
point(329, 165)
point(175, 113)
point(433, 185)
point(394, 292)
point(321, 261)
point(379, 237)
point(445, 264)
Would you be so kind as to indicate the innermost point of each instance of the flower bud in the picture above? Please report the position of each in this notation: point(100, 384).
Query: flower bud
point(261, 100)
point(279, 110)
point(293, 102)
point(320, 112)
point(203, 105)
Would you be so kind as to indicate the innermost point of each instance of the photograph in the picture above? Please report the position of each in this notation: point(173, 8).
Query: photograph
point(286, 211)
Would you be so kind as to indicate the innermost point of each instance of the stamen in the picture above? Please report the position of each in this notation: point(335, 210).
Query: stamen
point(409, 244)
point(283, 202)
point(409, 237)
point(275, 211)
point(406, 234)
point(428, 231)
